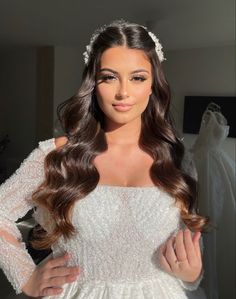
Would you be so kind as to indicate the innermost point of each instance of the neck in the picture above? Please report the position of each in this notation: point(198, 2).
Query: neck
point(123, 134)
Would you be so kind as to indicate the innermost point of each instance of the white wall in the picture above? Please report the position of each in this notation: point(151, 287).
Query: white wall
point(203, 71)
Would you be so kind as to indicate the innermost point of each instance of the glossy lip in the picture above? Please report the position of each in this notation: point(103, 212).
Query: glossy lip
point(122, 107)
point(121, 104)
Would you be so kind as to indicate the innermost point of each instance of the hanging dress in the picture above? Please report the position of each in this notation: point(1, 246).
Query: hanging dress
point(216, 178)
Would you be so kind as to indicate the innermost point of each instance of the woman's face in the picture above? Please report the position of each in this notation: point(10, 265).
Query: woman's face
point(123, 84)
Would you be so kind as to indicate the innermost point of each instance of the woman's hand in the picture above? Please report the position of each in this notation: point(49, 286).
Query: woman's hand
point(48, 278)
point(181, 256)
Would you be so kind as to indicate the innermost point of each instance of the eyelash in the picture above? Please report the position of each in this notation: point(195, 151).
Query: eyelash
point(110, 77)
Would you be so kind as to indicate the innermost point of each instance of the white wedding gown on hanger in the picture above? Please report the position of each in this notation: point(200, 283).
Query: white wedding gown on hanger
point(216, 177)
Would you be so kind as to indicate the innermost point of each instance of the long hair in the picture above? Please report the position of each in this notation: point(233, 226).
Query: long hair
point(70, 174)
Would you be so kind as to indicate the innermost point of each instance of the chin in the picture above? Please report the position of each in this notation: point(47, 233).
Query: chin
point(123, 119)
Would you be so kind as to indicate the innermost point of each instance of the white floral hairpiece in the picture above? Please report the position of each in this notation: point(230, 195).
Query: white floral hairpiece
point(158, 47)
point(86, 54)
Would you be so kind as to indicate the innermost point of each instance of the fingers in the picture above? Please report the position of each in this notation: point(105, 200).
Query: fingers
point(57, 262)
point(170, 253)
point(181, 255)
point(48, 278)
point(189, 247)
point(64, 271)
point(186, 246)
point(179, 246)
point(163, 262)
point(196, 237)
point(54, 268)
point(55, 274)
point(196, 243)
point(59, 281)
point(51, 291)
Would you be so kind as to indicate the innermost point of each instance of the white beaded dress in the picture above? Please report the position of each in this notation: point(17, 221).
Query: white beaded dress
point(118, 233)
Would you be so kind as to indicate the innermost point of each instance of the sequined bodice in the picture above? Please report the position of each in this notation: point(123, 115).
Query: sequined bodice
point(119, 230)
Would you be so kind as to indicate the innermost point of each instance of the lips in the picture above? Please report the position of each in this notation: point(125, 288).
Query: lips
point(122, 107)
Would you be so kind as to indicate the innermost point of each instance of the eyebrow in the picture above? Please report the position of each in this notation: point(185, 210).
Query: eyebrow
point(133, 72)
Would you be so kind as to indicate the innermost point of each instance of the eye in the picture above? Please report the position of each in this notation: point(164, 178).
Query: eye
point(107, 77)
point(139, 78)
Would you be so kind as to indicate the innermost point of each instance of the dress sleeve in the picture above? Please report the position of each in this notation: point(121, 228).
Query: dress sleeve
point(15, 202)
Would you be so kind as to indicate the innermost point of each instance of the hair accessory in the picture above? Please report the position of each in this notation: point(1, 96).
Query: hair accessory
point(158, 47)
point(86, 54)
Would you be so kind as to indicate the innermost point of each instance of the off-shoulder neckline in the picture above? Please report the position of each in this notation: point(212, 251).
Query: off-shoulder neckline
point(101, 186)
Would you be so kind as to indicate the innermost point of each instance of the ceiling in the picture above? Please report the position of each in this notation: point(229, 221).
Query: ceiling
point(178, 23)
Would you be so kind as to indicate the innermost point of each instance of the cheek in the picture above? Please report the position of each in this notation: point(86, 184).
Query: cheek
point(141, 105)
point(141, 95)
point(104, 95)
point(104, 100)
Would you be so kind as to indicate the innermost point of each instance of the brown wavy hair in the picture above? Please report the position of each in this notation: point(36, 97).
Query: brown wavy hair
point(70, 174)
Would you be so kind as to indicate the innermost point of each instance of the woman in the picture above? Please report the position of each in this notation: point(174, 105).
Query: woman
point(111, 192)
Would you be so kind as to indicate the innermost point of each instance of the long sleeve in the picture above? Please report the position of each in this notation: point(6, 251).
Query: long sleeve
point(191, 286)
point(15, 202)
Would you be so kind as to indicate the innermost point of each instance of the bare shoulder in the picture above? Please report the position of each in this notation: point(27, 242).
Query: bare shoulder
point(60, 141)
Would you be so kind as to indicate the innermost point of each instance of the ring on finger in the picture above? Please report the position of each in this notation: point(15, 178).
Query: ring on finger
point(180, 262)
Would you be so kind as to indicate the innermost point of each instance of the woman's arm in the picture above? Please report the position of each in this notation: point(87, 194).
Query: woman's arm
point(15, 202)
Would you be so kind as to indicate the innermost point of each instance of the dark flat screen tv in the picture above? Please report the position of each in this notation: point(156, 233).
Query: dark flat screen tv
point(194, 106)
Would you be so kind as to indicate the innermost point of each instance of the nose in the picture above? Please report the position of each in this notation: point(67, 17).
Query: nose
point(122, 92)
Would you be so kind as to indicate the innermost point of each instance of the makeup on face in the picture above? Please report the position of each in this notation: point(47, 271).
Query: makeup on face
point(123, 84)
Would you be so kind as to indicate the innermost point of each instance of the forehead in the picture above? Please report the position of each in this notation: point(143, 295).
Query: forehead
point(118, 57)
